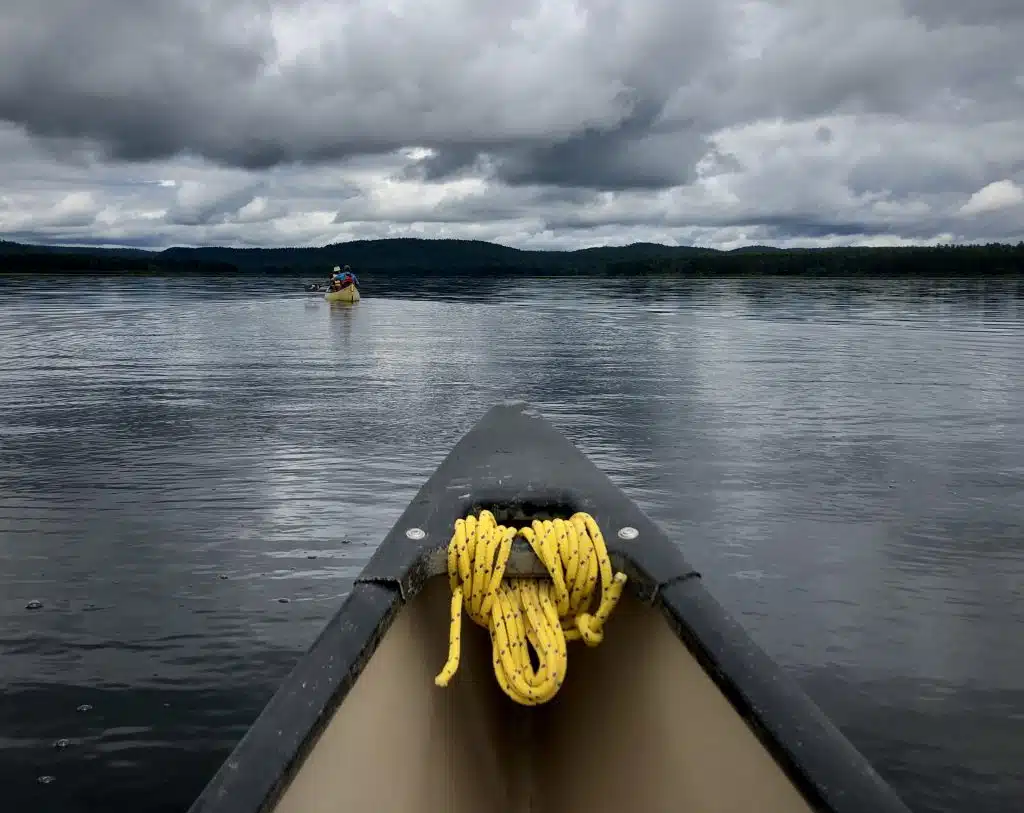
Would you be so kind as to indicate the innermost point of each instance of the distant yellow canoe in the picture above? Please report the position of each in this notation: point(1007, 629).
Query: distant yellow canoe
point(349, 294)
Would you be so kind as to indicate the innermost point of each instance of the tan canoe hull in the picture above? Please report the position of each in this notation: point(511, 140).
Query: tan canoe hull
point(348, 295)
point(675, 710)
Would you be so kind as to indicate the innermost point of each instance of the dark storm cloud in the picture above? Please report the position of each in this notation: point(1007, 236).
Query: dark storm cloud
point(447, 162)
point(136, 76)
point(790, 118)
point(628, 156)
point(145, 80)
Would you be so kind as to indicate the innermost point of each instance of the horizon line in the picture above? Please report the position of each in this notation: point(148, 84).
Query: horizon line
point(158, 250)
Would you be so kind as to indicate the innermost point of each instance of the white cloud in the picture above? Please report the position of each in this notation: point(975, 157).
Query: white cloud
point(993, 197)
point(549, 124)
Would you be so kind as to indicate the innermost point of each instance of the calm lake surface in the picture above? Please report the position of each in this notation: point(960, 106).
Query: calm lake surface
point(844, 462)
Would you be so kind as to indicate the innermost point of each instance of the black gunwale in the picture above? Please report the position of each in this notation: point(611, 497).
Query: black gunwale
point(515, 462)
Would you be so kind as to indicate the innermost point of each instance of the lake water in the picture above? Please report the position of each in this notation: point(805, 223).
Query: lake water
point(844, 462)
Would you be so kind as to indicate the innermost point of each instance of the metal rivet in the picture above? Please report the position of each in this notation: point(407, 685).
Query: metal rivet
point(628, 532)
point(415, 533)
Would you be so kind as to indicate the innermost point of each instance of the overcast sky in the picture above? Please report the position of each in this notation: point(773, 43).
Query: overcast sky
point(543, 123)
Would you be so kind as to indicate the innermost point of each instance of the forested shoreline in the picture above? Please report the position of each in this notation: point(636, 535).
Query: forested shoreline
point(438, 258)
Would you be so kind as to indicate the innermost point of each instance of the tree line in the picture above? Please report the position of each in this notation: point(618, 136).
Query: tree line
point(438, 258)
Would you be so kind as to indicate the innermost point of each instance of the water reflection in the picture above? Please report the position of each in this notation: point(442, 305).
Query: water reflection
point(840, 459)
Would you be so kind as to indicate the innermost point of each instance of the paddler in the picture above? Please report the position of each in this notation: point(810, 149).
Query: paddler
point(344, 277)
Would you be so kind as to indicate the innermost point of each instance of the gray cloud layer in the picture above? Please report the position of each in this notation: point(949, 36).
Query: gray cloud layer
point(558, 122)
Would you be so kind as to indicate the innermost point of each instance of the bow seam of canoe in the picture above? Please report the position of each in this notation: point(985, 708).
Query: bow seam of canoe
point(530, 619)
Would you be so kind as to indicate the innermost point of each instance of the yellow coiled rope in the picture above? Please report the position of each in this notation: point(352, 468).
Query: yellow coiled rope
point(541, 613)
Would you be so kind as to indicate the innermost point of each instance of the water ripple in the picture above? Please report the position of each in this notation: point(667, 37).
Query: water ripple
point(192, 475)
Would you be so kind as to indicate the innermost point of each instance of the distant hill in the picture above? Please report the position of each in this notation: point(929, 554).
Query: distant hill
point(393, 255)
point(407, 253)
point(440, 257)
